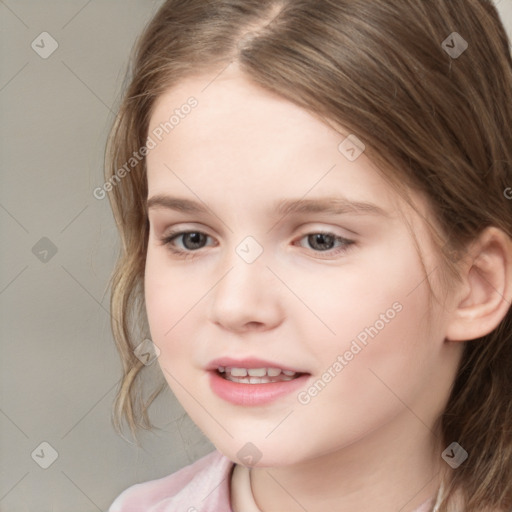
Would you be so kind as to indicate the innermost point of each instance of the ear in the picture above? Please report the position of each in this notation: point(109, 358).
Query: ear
point(485, 294)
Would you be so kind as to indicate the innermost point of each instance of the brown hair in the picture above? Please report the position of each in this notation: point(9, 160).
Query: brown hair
point(433, 121)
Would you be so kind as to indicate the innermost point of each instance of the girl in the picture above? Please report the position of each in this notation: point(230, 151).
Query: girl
point(314, 203)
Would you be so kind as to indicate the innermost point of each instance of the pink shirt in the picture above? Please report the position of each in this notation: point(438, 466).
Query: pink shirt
point(203, 486)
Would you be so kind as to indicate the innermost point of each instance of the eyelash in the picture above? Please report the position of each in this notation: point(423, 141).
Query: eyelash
point(188, 253)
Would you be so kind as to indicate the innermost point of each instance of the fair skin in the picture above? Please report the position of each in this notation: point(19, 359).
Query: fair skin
point(366, 441)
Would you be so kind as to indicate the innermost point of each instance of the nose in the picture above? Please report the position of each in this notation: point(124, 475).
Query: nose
point(247, 297)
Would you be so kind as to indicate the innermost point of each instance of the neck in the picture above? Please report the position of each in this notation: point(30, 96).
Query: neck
point(382, 471)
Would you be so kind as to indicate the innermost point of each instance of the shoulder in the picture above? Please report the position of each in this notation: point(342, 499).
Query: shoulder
point(200, 487)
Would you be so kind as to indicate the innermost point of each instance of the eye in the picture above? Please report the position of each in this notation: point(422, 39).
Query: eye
point(323, 242)
point(191, 242)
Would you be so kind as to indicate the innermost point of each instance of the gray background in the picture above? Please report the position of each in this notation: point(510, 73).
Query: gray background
point(58, 365)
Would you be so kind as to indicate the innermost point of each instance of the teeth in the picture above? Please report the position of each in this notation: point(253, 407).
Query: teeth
point(256, 375)
point(257, 372)
point(239, 372)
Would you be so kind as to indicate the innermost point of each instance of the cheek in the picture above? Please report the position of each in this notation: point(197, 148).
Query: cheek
point(382, 347)
point(171, 299)
point(176, 298)
point(386, 360)
point(374, 297)
point(169, 294)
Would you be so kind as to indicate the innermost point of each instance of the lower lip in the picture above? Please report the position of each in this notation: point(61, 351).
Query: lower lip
point(253, 394)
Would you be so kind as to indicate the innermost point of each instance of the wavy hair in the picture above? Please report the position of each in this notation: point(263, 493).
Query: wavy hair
point(433, 121)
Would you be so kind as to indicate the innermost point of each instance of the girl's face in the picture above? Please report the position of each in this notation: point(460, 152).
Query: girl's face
point(332, 291)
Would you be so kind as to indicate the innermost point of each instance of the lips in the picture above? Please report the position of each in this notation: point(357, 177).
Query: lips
point(253, 381)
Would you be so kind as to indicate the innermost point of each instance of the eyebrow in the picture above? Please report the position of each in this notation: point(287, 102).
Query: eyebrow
point(336, 205)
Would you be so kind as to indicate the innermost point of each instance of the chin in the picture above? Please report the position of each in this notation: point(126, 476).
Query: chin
point(259, 455)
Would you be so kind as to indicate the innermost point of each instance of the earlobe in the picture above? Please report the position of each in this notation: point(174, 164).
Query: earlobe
point(486, 290)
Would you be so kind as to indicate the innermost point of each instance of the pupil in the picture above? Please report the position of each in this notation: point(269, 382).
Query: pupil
point(322, 240)
point(194, 237)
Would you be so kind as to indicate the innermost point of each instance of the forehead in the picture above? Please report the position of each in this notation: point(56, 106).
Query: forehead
point(233, 111)
point(252, 140)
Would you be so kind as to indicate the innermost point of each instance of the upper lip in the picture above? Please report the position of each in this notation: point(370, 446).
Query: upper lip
point(249, 362)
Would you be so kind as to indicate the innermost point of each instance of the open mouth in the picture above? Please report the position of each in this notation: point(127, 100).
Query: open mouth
point(253, 381)
point(257, 375)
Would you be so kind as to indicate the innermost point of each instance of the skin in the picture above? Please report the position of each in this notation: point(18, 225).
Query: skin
point(367, 441)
